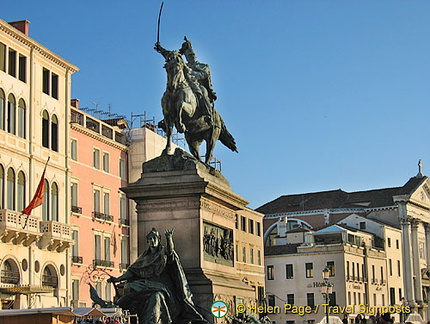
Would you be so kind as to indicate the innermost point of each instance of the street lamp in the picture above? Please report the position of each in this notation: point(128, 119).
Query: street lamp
point(326, 289)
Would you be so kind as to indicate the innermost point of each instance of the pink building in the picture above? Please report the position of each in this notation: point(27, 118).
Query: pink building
point(99, 213)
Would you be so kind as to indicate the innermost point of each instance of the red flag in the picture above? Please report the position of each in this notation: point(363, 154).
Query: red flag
point(38, 196)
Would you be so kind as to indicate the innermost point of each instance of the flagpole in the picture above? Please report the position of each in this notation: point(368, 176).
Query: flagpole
point(43, 173)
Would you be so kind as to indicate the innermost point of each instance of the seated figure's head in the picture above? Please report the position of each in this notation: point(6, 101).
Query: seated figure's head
point(153, 238)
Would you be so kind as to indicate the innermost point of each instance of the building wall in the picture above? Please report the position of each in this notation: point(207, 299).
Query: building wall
point(27, 243)
point(362, 275)
point(107, 220)
point(249, 247)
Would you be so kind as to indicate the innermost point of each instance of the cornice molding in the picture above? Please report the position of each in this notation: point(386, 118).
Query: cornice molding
point(97, 136)
point(26, 40)
point(330, 211)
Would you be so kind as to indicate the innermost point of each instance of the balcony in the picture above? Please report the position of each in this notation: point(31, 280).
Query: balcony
point(77, 259)
point(56, 236)
point(124, 221)
point(103, 263)
point(102, 217)
point(76, 210)
point(11, 289)
point(18, 228)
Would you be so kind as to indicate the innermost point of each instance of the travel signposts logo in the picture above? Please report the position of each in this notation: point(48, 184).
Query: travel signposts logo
point(219, 309)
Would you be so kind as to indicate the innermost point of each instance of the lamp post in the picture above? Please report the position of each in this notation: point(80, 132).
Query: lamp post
point(326, 289)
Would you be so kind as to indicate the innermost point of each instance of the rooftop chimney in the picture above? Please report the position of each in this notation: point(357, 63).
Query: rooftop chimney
point(21, 25)
point(75, 103)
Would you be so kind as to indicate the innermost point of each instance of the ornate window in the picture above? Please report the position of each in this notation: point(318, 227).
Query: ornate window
point(50, 277)
point(54, 202)
point(2, 110)
point(1, 187)
point(45, 205)
point(11, 114)
point(54, 133)
point(10, 189)
point(9, 272)
point(21, 118)
point(45, 129)
point(21, 191)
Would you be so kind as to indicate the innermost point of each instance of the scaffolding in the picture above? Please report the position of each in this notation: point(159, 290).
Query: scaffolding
point(143, 121)
point(101, 114)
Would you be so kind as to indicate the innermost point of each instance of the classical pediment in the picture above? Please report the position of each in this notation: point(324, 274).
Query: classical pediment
point(421, 195)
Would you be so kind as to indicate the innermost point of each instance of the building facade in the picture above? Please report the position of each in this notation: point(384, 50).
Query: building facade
point(398, 220)
point(35, 86)
point(99, 210)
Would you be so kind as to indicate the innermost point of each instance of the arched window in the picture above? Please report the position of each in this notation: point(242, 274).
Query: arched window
point(54, 133)
point(9, 272)
point(50, 277)
point(45, 205)
point(45, 129)
point(10, 189)
point(1, 187)
point(11, 114)
point(2, 109)
point(21, 191)
point(21, 118)
point(54, 202)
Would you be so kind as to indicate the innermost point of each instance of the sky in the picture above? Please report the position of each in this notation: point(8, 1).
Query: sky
point(319, 94)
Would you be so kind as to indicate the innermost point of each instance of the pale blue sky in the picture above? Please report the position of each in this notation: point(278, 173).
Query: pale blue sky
point(318, 94)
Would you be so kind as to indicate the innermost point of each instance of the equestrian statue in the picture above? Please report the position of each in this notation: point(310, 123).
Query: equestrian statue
point(188, 103)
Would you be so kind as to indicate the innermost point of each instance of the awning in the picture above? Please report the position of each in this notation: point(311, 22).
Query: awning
point(24, 289)
point(77, 312)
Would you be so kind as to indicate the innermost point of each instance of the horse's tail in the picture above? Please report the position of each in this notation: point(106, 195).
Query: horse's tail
point(226, 138)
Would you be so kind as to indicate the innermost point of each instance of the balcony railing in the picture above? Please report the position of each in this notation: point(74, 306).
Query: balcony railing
point(102, 216)
point(77, 118)
point(124, 221)
point(77, 259)
point(13, 219)
point(77, 210)
point(56, 229)
point(11, 277)
point(103, 263)
point(97, 126)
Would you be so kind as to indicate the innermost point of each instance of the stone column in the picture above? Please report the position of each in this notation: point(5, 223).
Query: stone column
point(416, 260)
point(427, 231)
point(407, 257)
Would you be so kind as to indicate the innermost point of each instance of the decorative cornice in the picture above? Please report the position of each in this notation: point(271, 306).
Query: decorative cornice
point(26, 40)
point(329, 211)
point(81, 129)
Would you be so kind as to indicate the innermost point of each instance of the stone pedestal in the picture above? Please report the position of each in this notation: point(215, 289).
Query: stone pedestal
point(177, 191)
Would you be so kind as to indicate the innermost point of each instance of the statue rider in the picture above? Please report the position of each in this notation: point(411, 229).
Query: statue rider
point(201, 72)
point(198, 77)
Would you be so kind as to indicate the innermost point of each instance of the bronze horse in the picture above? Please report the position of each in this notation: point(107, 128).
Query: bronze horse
point(182, 107)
